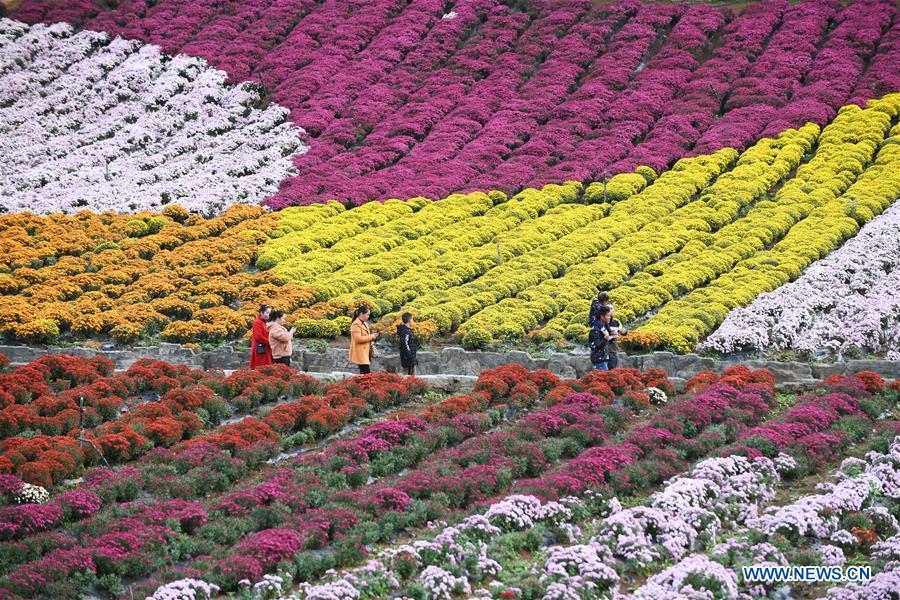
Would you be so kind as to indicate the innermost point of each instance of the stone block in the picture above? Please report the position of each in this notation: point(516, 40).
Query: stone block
point(333, 359)
point(889, 369)
point(452, 384)
point(823, 371)
point(784, 371)
point(332, 376)
point(679, 384)
point(692, 364)
point(227, 359)
point(796, 387)
point(20, 355)
point(461, 362)
point(562, 365)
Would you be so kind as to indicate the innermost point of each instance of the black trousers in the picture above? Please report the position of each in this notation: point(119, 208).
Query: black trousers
point(613, 360)
point(410, 370)
point(365, 369)
point(284, 360)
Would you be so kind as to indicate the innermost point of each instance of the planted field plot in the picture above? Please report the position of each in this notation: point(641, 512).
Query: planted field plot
point(729, 176)
point(530, 486)
point(686, 158)
point(845, 302)
point(427, 98)
point(679, 251)
point(89, 123)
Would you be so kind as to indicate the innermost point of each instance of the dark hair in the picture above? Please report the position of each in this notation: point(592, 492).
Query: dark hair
point(362, 310)
point(405, 317)
point(604, 310)
point(276, 314)
point(263, 308)
point(603, 297)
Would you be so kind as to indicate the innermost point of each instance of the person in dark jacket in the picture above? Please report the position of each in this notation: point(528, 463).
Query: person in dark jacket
point(601, 300)
point(615, 327)
point(599, 338)
point(408, 344)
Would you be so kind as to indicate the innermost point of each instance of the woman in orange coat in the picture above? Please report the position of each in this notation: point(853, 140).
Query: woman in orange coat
point(361, 340)
point(260, 349)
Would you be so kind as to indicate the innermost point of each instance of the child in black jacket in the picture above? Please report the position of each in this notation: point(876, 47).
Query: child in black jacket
point(601, 300)
point(408, 345)
point(599, 339)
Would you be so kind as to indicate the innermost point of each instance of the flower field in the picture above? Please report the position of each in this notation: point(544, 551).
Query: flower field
point(528, 487)
point(690, 158)
point(89, 123)
point(846, 301)
point(728, 174)
point(428, 98)
point(682, 248)
point(157, 405)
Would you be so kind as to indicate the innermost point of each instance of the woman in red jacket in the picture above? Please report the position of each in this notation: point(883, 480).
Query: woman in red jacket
point(260, 350)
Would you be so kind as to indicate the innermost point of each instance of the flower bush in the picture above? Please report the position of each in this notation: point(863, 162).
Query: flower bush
point(474, 310)
point(154, 404)
point(85, 90)
point(483, 266)
point(852, 309)
point(480, 463)
point(195, 589)
point(835, 217)
point(690, 576)
point(673, 526)
point(31, 494)
point(574, 569)
point(812, 521)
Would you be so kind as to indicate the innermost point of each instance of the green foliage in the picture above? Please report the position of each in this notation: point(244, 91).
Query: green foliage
point(477, 339)
point(764, 445)
point(155, 224)
point(875, 406)
point(136, 228)
point(106, 246)
point(224, 531)
point(111, 583)
point(309, 566)
point(857, 427)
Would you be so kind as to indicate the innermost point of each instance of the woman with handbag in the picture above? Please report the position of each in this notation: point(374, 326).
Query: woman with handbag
point(361, 340)
point(280, 338)
point(260, 350)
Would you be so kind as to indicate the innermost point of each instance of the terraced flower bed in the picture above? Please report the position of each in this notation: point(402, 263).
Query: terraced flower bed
point(687, 158)
point(728, 175)
point(708, 522)
point(209, 511)
point(424, 98)
point(844, 302)
point(61, 414)
point(679, 251)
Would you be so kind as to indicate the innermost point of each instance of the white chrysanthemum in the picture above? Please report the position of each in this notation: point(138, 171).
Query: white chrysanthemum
point(678, 581)
point(657, 396)
point(185, 589)
point(92, 123)
point(32, 494)
point(850, 299)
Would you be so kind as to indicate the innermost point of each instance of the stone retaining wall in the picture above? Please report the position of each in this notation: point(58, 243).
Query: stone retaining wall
point(459, 362)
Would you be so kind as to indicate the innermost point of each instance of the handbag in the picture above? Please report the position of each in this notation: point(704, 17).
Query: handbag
point(260, 348)
point(372, 353)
